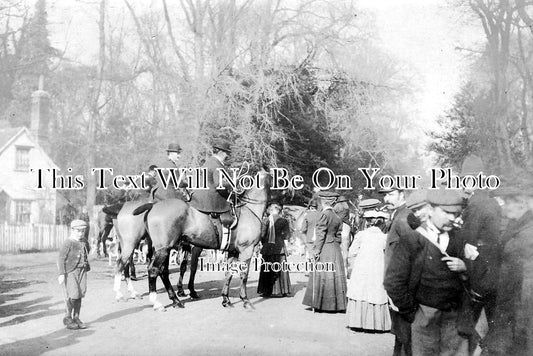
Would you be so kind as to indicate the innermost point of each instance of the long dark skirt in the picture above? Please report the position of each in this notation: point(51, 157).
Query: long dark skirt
point(329, 294)
point(273, 283)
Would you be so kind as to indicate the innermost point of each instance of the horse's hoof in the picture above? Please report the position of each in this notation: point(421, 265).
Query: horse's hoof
point(226, 303)
point(120, 299)
point(160, 309)
point(181, 293)
point(247, 304)
point(194, 295)
point(178, 304)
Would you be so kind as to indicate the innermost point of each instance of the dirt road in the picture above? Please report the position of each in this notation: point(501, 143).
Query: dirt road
point(31, 312)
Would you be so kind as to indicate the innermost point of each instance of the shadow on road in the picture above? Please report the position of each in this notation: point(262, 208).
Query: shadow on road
point(39, 345)
point(120, 313)
point(8, 285)
point(26, 310)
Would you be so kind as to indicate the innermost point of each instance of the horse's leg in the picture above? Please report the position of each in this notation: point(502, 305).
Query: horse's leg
point(166, 281)
point(129, 273)
point(245, 268)
point(119, 268)
point(103, 238)
point(160, 268)
point(195, 254)
point(226, 302)
point(152, 279)
point(183, 269)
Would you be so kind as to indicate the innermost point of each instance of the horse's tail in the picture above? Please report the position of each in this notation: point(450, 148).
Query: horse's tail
point(141, 209)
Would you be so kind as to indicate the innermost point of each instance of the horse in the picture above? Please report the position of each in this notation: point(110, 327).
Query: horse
point(172, 221)
point(105, 224)
point(130, 230)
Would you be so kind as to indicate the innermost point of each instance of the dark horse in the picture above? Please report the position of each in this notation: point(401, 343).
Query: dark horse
point(172, 221)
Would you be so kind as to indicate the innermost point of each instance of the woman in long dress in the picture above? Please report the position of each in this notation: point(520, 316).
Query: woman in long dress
point(367, 299)
point(273, 281)
point(326, 289)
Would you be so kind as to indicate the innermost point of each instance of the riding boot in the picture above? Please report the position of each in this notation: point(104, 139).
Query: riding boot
point(68, 316)
point(77, 307)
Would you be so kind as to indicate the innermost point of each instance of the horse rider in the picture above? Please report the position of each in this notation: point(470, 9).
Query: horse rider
point(213, 201)
point(172, 162)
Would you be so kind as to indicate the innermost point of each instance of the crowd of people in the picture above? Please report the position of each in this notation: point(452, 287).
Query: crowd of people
point(422, 264)
point(426, 264)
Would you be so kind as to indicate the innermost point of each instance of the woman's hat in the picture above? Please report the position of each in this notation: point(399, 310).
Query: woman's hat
point(369, 203)
point(375, 214)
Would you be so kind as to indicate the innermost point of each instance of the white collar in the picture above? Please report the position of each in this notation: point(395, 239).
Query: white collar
point(218, 159)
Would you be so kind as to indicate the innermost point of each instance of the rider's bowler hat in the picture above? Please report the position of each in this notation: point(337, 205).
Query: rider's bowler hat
point(222, 145)
point(174, 147)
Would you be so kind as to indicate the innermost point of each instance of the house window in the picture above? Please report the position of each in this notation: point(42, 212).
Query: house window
point(22, 212)
point(22, 159)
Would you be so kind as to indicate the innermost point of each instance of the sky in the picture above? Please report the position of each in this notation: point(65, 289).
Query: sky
point(425, 35)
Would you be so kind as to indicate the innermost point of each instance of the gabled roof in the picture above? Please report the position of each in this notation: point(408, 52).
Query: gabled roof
point(8, 135)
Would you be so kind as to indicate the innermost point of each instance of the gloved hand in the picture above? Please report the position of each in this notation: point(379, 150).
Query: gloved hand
point(61, 278)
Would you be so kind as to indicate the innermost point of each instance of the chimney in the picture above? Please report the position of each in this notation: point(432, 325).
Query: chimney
point(40, 111)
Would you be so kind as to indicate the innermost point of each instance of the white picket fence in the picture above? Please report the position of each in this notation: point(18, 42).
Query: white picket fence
point(17, 238)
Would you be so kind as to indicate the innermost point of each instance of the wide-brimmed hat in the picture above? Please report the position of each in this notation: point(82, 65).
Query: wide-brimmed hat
point(369, 203)
point(327, 194)
point(383, 190)
point(222, 145)
point(369, 214)
point(451, 201)
point(342, 199)
point(174, 147)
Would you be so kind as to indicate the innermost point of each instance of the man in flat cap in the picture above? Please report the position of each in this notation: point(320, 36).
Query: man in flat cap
point(73, 266)
point(394, 200)
point(481, 232)
point(425, 278)
point(213, 201)
point(512, 332)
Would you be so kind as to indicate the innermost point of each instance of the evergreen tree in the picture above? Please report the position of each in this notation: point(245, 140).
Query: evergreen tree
point(33, 60)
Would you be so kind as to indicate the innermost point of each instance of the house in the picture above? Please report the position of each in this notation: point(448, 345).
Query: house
point(21, 202)
point(23, 149)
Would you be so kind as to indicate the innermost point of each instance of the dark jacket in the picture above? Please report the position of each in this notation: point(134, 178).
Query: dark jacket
point(481, 228)
point(514, 303)
point(211, 200)
point(158, 187)
point(308, 225)
point(405, 272)
point(73, 254)
point(282, 230)
point(328, 229)
point(399, 227)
